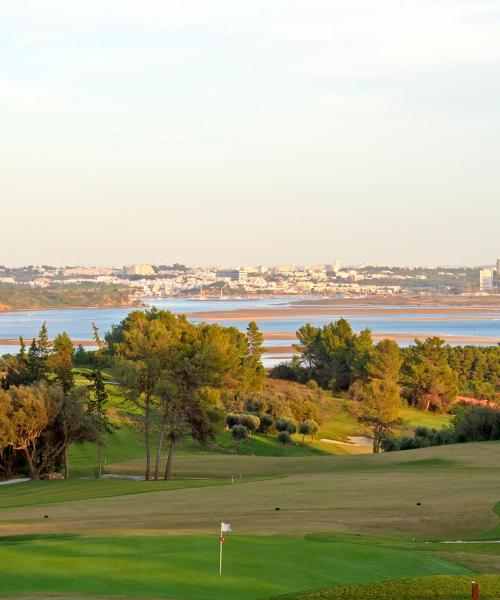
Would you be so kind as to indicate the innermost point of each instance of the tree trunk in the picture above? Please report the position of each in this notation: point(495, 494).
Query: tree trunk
point(99, 455)
point(147, 437)
point(168, 469)
point(31, 466)
point(161, 435)
point(66, 463)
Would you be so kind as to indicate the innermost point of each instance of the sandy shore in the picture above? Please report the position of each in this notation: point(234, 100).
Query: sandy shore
point(292, 311)
point(15, 342)
point(397, 337)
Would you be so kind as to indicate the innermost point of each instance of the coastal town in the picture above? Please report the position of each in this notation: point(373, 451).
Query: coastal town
point(332, 279)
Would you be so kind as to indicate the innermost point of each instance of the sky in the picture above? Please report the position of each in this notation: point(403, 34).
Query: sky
point(249, 132)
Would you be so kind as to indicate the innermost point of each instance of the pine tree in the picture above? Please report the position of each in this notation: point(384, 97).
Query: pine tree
point(254, 372)
point(99, 397)
point(61, 361)
point(255, 339)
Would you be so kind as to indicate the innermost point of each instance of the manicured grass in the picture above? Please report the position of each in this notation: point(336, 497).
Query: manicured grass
point(420, 588)
point(419, 418)
point(122, 445)
point(439, 493)
point(35, 493)
point(187, 566)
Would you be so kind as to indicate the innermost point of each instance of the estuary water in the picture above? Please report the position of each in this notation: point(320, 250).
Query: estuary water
point(78, 322)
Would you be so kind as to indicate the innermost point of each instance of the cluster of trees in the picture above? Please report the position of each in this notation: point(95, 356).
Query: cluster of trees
point(42, 412)
point(176, 375)
point(38, 423)
point(244, 424)
point(469, 424)
point(431, 373)
point(428, 374)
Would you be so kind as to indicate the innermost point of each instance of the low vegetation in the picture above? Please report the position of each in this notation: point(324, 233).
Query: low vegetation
point(19, 297)
point(419, 588)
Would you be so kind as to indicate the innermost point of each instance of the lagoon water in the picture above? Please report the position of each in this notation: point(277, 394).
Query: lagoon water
point(78, 322)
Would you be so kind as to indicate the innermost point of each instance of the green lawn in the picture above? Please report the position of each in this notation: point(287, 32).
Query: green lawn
point(50, 492)
point(342, 521)
point(187, 566)
point(419, 418)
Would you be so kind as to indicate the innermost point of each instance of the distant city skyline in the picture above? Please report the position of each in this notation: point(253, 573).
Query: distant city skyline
point(250, 132)
point(143, 268)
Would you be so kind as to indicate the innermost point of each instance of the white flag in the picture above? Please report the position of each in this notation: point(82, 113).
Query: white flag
point(225, 527)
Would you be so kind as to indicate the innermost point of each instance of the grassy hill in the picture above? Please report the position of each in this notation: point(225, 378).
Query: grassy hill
point(124, 451)
point(20, 297)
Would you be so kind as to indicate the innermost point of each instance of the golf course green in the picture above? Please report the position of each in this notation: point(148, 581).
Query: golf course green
point(188, 566)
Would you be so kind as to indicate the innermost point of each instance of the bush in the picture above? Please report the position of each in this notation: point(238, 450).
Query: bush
point(308, 427)
point(266, 422)
point(232, 420)
point(284, 437)
point(408, 443)
point(254, 404)
point(423, 438)
point(478, 423)
point(239, 433)
point(424, 432)
point(389, 444)
point(251, 422)
point(288, 425)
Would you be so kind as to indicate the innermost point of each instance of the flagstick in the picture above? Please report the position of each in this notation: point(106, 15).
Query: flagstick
point(220, 553)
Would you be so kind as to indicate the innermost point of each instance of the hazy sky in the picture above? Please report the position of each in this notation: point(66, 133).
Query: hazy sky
point(255, 131)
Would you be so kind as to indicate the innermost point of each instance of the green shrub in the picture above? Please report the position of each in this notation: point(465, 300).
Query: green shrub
point(232, 420)
point(288, 425)
point(251, 422)
point(266, 422)
point(284, 437)
point(239, 433)
point(308, 427)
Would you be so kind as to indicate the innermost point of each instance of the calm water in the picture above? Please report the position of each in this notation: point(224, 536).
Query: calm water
point(78, 322)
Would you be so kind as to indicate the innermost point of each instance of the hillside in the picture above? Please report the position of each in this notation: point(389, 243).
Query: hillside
point(124, 451)
point(21, 297)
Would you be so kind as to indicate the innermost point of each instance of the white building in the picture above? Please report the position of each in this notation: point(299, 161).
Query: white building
point(486, 280)
point(139, 269)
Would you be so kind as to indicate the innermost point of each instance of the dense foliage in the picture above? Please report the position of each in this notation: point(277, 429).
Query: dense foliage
point(428, 374)
point(431, 373)
point(470, 424)
point(175, 373)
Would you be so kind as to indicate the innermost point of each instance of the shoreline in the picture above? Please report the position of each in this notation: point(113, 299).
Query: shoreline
point(290, 336)
point(397, 337)
point(263, 314)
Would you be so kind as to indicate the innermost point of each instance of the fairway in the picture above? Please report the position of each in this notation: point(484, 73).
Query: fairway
point(187, 566)
point(342, 520)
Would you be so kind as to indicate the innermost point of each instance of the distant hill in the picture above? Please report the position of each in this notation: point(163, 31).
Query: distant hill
point(21, 297)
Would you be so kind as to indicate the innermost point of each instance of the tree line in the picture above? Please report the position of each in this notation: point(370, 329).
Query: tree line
point(173, 373)
point(428, 374)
